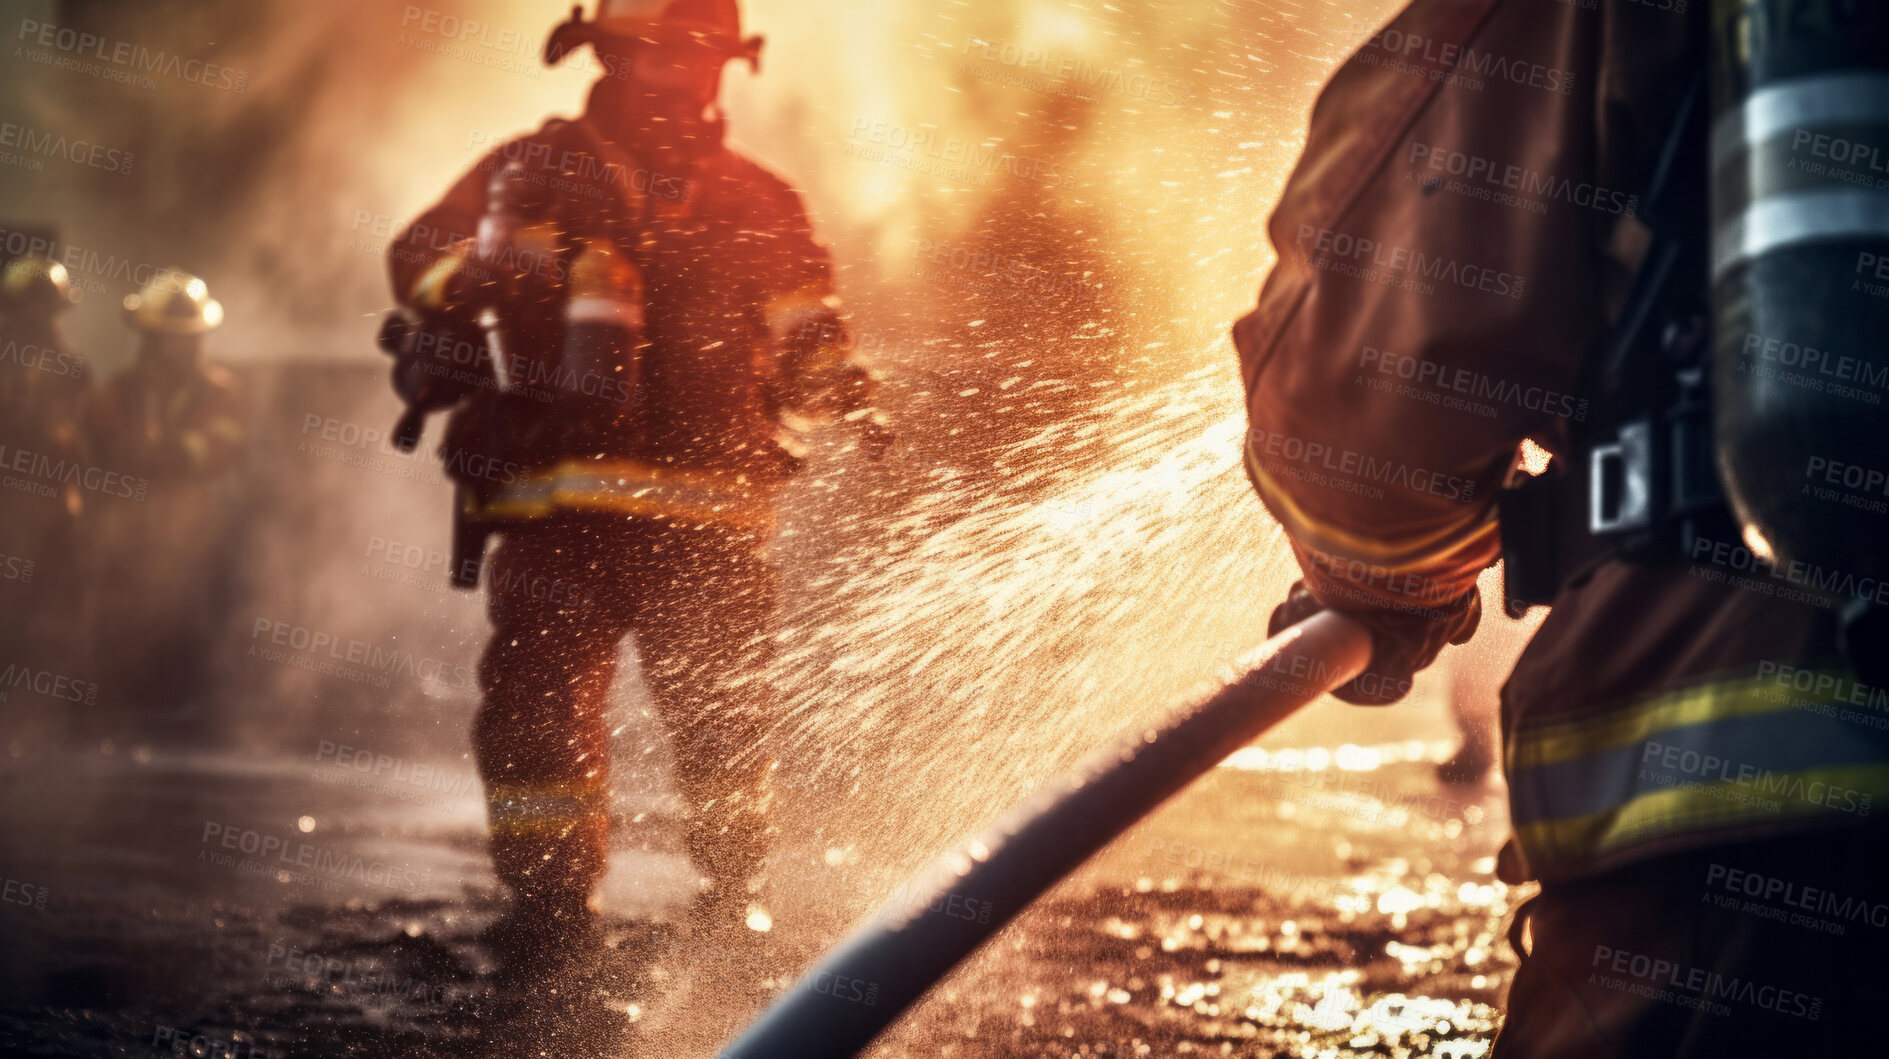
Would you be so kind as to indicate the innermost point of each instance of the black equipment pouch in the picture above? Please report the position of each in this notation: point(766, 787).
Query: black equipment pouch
point(1643, 484)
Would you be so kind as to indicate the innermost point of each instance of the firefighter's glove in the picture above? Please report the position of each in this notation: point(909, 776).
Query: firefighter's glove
point(438, 359)
point(1402, 642)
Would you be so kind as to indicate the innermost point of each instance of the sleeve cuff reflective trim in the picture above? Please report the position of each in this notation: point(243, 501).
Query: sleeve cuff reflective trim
point(1407, 554)
point(429, 291)
point(625, 314)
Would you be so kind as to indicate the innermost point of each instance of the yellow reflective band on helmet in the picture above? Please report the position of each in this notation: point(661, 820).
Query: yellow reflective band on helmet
point(631, 487)
point(1402, 555)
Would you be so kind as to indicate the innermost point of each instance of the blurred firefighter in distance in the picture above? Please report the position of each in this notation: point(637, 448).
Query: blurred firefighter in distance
point(43, 385)
point(632, 323)
point(173, 415)
point(172, 428)
point(42, 379)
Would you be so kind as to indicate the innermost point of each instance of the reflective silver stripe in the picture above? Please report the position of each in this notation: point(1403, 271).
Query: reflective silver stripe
point(1747, 752)
point(1778, 221)
point(1853, 98)
point(627, 315)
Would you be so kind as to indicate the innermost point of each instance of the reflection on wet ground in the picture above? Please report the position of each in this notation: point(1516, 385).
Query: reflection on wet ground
point(1305, 903)
point(1321, 921)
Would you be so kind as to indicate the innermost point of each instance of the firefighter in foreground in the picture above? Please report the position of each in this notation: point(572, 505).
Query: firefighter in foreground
point(1495, 198)
point(631, 321)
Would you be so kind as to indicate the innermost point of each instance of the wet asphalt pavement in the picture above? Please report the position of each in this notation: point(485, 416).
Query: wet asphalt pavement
point(1294, 903)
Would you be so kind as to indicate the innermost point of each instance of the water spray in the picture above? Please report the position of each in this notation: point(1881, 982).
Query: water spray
point(863, 986)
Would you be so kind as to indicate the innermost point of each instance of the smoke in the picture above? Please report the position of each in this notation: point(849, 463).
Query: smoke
point(1046, 214)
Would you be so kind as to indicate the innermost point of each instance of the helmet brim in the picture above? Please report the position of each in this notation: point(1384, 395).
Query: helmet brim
point(624, 36)
point(142, 317)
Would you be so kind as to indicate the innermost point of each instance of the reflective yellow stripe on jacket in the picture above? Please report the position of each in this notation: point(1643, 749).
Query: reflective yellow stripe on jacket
point(1742, 755)
point(1441, 548)
point(631, 487)
point(547, 808)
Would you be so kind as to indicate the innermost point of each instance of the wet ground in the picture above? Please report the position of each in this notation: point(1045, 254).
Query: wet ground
point(1312, 902)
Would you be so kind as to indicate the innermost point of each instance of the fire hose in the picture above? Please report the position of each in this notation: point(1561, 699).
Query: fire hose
point(900, 955)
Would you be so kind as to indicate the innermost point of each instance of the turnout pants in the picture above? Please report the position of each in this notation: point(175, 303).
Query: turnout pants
point(1759, 949)
point(562, 597)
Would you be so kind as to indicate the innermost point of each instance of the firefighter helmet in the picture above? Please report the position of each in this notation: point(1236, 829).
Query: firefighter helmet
point(36, 282)
point(620, 23)
point(174, 303)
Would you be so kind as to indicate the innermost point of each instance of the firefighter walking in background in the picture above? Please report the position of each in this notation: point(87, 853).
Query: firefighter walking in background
point(1477, 274)
point(173, 415)
point(630, 321)
point(166, 545)
point(43, 386)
